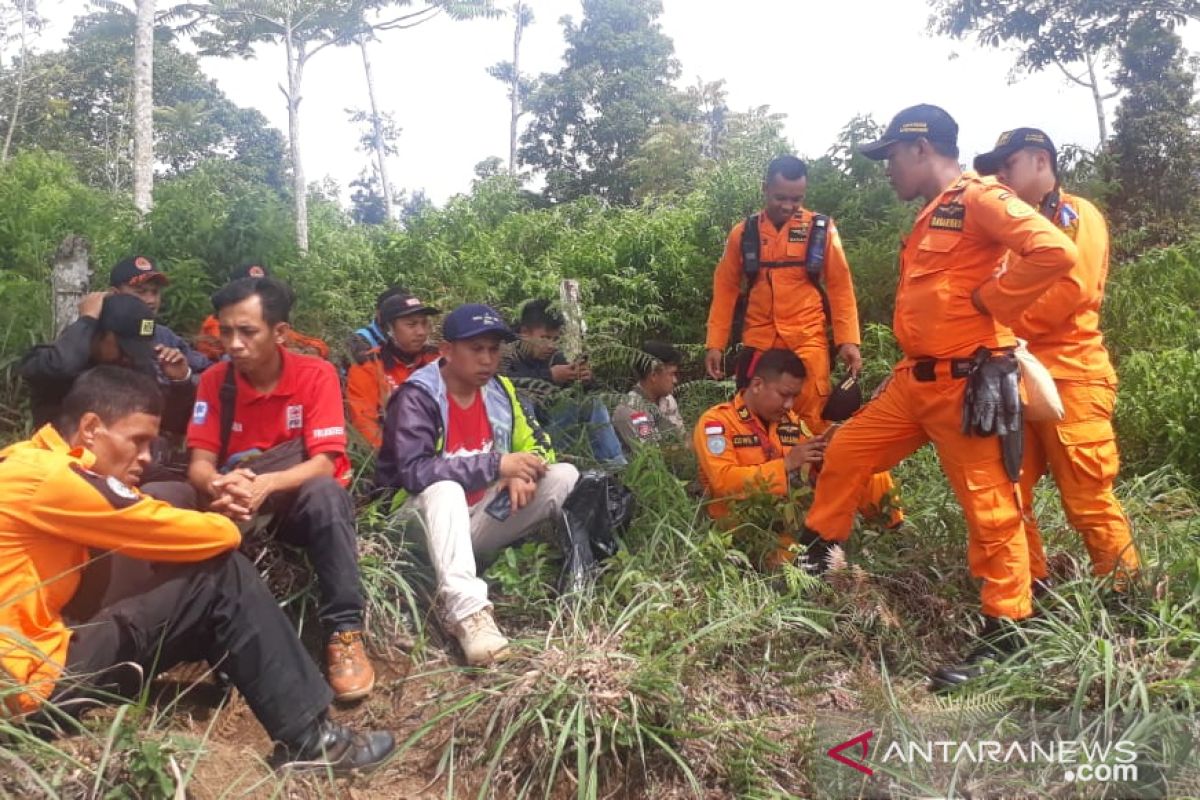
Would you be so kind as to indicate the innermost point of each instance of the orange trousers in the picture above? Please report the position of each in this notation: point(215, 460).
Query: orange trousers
point(908, 414)
point(814, 393)
point(1081, 455)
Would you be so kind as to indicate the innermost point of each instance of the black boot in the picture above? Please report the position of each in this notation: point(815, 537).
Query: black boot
point(334, 747)
point(1043, 588)
point(998, 639)
point(815, 558)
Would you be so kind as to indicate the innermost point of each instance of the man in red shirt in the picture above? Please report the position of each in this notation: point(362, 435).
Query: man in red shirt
point(268, 435)
point(371, 381)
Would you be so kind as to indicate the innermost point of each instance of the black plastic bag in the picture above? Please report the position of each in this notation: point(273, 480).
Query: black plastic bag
point(594, 515)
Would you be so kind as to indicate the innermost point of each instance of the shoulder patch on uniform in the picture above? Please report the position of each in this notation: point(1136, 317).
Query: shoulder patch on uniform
point(1018, 208)
point(117, 494)
point(716, 445)
point(713, 429)
point(743, 413)
point(948, 217)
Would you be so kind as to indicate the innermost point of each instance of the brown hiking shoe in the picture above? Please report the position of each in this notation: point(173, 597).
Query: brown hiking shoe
point(480, 639)
point(350, 672)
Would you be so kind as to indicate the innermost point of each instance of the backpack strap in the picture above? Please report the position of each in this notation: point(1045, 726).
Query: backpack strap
point(751, 250)
point(228, 397)
point(814, 261)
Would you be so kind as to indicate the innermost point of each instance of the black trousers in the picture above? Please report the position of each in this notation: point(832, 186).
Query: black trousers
point(155, 615)
point(319, 516)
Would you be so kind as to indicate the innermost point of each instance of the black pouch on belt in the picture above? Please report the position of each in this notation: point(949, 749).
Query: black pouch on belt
point(992, 405)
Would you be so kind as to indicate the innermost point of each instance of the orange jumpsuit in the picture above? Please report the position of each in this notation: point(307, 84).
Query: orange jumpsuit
point(734, 462)
point(370, 383)
point(1063, 331)
point(957, 244)
point(784, 308)
point(785, 311)
point(52, 509)
point(208, 341)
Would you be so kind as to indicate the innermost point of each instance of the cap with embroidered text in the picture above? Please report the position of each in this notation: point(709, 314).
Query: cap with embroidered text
point(915, 122)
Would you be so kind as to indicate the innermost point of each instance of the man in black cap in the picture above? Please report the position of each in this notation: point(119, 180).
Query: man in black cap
point(956, 386)
point(116, 329)
point(140, 276)
point(407, 322)
point(111, 329)
point(1063, 332)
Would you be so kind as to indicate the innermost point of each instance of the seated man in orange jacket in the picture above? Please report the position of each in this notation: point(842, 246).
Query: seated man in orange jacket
point(170, 588)
point(208, 341)
point(757, 440)
point(370, 382)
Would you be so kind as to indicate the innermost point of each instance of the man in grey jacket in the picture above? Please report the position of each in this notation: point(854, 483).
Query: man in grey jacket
point(479, 468)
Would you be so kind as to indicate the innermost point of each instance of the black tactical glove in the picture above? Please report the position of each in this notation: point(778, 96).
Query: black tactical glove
point(992, 406)
point(992, 401)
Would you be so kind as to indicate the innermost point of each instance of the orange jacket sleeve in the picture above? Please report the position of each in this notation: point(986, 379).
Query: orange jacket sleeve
point(1081, 284)
point(362, 399)
point(1044, 253)
point(727, 285)
point(839, 285)
point(309, 345)
point(80, 506)
point(723, 475)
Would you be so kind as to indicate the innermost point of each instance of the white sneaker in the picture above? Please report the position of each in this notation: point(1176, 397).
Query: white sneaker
point(480, 639)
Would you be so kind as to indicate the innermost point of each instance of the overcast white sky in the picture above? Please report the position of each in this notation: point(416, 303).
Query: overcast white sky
point(820, 63)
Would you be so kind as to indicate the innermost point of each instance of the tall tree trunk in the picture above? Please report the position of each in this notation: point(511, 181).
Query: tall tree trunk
point(515, 93)
point(295, 71)
point(1101, 121)
point(23, 10)
point(143, 107)
point(377, 126)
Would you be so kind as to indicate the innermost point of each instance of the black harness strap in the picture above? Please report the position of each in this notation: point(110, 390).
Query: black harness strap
point(228, 397)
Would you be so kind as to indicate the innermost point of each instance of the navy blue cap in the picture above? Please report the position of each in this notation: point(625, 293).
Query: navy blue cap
point(915, 122)
point(989, 163)
point(475, 319)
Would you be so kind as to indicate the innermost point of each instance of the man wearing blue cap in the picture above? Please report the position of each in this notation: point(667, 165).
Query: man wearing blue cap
point(480, 469)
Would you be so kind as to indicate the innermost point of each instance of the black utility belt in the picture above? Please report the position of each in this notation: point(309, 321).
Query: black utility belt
point(925, 369)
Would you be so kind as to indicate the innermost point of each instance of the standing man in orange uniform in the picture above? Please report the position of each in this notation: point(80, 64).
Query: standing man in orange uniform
point(801, 283)
point(953, 308)
point(1063, 331)
point(790, 299)
point(369, 383)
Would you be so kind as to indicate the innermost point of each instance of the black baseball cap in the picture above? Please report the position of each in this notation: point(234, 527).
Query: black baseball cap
point(1010, 142)
point(403, 305)
point(250, 269)
point(133, 323)
point(135, 270)
point(475, 319)
point(915, 122)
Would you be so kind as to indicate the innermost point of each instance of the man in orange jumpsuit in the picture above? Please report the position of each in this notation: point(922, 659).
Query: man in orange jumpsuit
point(370, 382)
point(208, 341)
point(168, 587)
point(789, 302)
point(757, 441)
point(950, 302)
point(1063, 331)
point(784, 307)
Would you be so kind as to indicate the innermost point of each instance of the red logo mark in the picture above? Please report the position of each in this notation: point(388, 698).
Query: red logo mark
point(862, 740)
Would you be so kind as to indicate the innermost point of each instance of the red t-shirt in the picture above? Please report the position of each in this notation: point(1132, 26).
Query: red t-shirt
point(306, 402)
point(469, 434)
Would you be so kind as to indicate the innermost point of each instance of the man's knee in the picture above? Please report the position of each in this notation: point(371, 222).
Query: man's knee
point(324, 492)
point(558, 482)
point(441, 496)
point(177, 493)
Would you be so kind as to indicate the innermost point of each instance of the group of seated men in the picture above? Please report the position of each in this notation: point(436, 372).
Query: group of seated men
point(118, 560)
